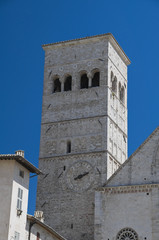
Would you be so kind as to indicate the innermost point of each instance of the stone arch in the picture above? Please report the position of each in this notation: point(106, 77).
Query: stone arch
point(84, 81)
point(68, 82)
point(56, 84)
point(95, 78)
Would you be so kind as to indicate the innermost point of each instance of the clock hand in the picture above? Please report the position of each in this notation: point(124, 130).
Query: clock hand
point(81, 176)
point(84, 174)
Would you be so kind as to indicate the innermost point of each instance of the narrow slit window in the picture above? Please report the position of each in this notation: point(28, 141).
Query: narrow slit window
point(57, 85)
point(95, 79)
point(68, 84)
point(21, 174)
point(68, 146)
point(84, 81)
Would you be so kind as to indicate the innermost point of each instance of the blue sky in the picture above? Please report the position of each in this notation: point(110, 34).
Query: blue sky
point(26, 25)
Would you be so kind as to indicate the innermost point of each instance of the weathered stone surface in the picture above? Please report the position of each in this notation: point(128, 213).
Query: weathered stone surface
point(130, 197)
point(93, 120)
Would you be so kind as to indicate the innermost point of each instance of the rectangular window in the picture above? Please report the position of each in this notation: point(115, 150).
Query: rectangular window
point(21, 173)
point(19, 199)
point(17, 236)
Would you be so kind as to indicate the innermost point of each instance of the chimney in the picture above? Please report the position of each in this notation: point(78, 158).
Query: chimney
point(39, 215)
point(20, 153)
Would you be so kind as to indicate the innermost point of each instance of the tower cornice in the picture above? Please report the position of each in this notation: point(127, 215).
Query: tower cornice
point(108, 36)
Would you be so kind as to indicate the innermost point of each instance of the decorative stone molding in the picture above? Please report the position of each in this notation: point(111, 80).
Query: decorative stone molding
point(127, 234)
point(128, 189)
point(97, 154)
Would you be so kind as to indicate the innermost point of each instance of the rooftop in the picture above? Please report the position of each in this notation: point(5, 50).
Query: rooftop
point(108, 36)
point(45, 226)
point(19, 157)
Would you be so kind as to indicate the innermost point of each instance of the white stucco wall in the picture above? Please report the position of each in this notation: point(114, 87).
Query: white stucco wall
point(18, 223)
point(6, 176)
point(10, 181)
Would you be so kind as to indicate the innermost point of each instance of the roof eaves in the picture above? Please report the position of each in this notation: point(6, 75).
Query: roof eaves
point(21, 161)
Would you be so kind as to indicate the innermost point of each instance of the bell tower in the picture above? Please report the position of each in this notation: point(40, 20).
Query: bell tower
point(83, 129)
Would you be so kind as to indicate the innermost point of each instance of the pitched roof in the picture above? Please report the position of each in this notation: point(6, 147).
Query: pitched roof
point(21, 160)
point(45, 226)
point(132, 155)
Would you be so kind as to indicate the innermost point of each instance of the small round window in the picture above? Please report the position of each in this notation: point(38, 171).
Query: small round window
point(127, 234)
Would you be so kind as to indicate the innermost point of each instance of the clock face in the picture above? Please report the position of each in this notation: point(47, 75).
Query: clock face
point(80, 176)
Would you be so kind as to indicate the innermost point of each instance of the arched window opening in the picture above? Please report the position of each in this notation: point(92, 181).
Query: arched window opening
point(122, 94)
point(119, 89)
point(112, 76)
point(38, 236)
point(57, 85)
point(114, 84)
point(68, 84)
point(95, 79)
point(84, 81)
point(68, 146)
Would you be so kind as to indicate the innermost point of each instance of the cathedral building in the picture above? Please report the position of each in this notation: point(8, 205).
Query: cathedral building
point(127, 206)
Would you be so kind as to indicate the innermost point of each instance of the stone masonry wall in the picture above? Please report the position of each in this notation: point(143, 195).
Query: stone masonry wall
point(130, 207)
point(81, 116)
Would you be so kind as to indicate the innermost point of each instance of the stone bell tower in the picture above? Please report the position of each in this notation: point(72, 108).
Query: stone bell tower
point(83, 129)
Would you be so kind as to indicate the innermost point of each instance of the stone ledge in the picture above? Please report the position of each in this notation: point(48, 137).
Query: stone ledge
point(128, 189)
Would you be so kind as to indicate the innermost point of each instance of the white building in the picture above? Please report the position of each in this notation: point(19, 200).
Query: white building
point(14, 187)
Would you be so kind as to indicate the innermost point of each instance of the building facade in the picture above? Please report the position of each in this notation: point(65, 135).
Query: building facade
point(127, 206)
point(83, 129)
point(15, 223)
